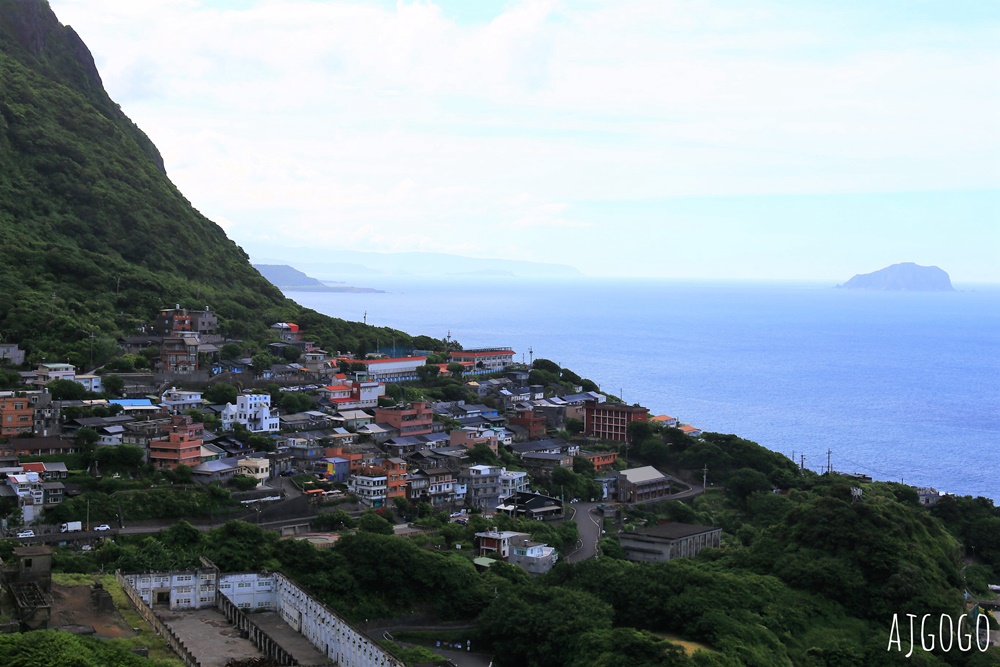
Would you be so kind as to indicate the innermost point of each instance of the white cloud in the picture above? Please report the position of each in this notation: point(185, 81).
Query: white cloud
point(397, 127)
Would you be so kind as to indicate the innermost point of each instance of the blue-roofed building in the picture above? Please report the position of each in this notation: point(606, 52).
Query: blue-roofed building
point(137, 406)
point(337, 469)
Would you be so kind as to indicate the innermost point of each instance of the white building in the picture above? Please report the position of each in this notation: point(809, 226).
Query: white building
point(254, 412)
point(30, 495)
point(46, 373)
point(178, 401)
point(259, 469)
point(370, 489)
point(513, 481)
point(400, 369)
point(90, 382)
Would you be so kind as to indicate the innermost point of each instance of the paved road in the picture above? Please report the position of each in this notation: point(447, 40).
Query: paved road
point(588, 522)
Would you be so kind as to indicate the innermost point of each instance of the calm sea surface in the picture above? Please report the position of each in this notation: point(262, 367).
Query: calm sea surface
point(897, 385)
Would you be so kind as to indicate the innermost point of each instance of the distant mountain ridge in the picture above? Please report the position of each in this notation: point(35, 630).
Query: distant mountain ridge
point(355, 262)
point(285, 277)
point(905, 276)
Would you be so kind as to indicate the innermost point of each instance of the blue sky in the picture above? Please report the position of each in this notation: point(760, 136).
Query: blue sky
point(765, 140)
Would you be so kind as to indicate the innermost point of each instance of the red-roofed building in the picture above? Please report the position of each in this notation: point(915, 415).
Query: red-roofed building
point(664, 420)
point(353, 395)
point(485, 359)
point(693, 431)
point(288, 332)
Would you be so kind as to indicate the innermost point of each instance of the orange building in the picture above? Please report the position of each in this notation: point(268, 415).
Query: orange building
point(16, 416)
point(182, 446)
point(394, 470)
point(601, 460)
point(411, 419)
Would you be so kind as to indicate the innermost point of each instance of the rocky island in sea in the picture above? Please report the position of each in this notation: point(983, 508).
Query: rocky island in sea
point(906, 276)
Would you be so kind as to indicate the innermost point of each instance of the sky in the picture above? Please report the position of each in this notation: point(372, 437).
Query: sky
point(770, 140)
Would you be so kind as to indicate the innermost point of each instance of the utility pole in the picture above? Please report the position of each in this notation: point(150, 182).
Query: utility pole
point(704, 477)
point(829, 468)
point(364, 318)
point(531, 356)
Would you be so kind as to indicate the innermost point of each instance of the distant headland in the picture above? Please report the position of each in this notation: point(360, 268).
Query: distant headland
point(287, 278)
point(907, 276)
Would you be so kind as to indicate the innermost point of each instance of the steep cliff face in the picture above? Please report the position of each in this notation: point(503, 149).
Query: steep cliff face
point(903, 277)
point(94, 237)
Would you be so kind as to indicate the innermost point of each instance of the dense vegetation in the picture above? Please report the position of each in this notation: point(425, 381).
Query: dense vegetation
point(96, 238)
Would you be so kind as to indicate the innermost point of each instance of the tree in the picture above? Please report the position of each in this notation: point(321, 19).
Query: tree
point(482, 454)
point(261, 362)
point(183, 474)
point(243, 482)
point(456, 369)
point(373, 523)
point(291, 353)
point(66, 390)
point(574, 426)
point(231, 351)
point(583, 466)
point(745, 482)
point(546, 365)
point(220, 393)
point(335, 520)
point(428, 372)
point(114, 385)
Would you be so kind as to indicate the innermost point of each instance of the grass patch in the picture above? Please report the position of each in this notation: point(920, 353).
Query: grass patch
point(158, 649)
point(74, 579)
point(689, 646)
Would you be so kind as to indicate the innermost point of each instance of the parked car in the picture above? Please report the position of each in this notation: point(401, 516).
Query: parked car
point(26, 533)
point(103, 526)
point(457, 514)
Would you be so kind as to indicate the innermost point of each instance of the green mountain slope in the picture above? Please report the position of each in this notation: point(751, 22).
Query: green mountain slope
point(94, 236)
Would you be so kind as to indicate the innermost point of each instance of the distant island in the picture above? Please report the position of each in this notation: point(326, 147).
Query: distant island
point(285, 277)
point(906, 276)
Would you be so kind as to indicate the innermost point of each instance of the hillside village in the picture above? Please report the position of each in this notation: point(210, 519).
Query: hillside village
point(362, 430)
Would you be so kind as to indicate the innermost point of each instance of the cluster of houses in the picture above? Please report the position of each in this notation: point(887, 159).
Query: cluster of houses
point(419, 451)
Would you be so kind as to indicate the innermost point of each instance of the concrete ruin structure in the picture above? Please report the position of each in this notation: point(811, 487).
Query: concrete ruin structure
point(237, 594)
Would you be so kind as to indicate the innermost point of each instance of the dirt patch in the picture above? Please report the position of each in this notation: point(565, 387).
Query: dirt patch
point(72, 605)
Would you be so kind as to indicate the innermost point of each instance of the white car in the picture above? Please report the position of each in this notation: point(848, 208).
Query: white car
point(455, 515)
point(26, 533)
point(103, 526)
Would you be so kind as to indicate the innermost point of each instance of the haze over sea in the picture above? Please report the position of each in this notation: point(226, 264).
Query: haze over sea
point(901, 386)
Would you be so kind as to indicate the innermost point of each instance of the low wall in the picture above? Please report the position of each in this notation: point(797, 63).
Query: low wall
point(146, 612)
point(264, 642)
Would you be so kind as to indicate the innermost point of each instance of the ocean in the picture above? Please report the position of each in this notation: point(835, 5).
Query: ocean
point(900, 386)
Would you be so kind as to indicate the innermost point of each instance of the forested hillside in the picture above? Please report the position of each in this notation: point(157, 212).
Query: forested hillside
point(95, 237)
